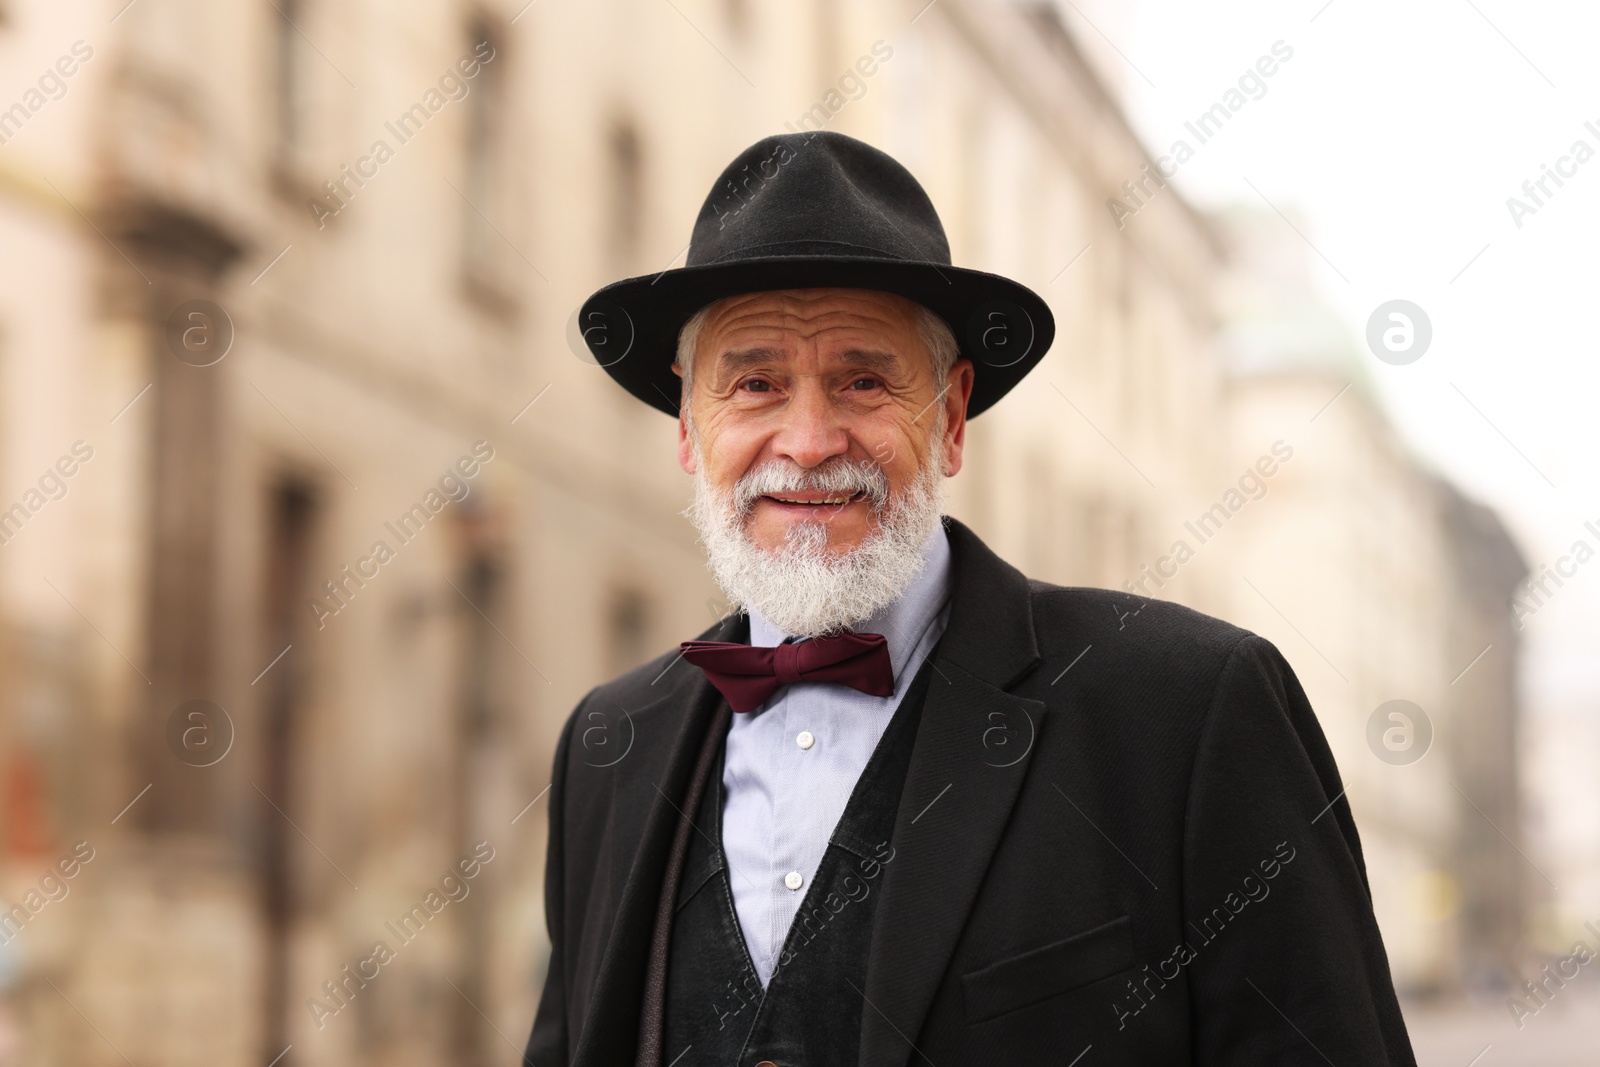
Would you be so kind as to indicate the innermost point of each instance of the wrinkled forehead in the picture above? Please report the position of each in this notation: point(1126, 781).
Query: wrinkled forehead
point(839, 320)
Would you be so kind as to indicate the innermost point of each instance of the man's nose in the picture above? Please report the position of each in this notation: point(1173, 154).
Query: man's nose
point(813, 429)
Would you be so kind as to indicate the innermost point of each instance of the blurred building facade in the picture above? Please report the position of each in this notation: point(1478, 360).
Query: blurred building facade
point(1382, 584)
point(289, 288)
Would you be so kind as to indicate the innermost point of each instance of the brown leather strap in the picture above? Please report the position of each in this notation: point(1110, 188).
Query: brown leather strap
point(653, 1009)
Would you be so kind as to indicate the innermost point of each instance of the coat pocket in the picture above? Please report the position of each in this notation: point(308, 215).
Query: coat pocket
point(1042, 973)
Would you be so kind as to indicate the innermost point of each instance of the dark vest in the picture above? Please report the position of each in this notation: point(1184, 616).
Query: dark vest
point(810, 1013)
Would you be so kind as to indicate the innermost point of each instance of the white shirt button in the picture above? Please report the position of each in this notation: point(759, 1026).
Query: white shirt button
point(806, 739)
point(793, 880)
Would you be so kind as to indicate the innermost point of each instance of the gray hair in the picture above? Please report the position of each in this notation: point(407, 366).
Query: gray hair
point(935, 333)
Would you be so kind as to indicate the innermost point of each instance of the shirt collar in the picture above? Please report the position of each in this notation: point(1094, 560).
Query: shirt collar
point(903, 622)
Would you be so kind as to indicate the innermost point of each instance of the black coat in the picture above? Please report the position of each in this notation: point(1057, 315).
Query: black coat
point(1122, 831)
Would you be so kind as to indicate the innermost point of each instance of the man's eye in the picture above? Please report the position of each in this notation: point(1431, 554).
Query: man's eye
point(757, 385)
point(864, 383)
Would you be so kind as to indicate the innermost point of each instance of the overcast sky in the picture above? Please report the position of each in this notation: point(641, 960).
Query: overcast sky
point(1398, 132)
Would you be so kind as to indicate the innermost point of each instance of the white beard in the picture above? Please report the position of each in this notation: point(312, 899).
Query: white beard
point(803, 588)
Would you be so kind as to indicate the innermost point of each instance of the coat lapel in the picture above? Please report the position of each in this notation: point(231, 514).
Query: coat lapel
point(971, 755)
point(647, 793)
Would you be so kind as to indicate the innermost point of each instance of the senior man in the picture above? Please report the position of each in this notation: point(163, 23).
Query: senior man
point(906, 805)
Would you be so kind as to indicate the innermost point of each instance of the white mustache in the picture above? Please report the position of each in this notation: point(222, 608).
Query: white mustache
point(803, 588)
point(836, 477)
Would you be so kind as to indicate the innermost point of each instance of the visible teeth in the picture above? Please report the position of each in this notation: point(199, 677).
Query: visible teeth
point(829, 500)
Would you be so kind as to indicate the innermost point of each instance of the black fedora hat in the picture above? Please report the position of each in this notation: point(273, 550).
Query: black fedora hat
point(807, 211)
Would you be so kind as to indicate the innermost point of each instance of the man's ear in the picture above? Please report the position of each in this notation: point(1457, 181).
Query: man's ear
point(685, 446)
point(958, 389)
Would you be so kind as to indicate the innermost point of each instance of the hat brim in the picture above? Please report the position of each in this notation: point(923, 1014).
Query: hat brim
point(631, 327)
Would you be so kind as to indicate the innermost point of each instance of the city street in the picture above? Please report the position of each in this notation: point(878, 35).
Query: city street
point(1566, 1033)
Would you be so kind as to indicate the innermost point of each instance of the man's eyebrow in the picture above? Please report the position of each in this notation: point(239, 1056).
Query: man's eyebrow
point(871, 359)
point(729, 364)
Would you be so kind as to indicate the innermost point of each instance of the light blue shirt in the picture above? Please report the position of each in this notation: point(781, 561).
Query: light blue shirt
point(792, 763)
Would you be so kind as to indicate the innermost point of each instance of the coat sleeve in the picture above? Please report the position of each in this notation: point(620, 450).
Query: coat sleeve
point(1285, 963)
point(548, 1044)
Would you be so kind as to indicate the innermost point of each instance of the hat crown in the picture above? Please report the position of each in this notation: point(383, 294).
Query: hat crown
point(817, 194)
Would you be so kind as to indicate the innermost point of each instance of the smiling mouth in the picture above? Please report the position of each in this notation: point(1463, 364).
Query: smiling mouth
point(814, 499)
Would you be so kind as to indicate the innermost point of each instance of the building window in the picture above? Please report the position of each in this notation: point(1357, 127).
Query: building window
point(624, 214)
point(293, 514)
point(627, 630)
point(737, 13)
point(484, 249)
point(291, 67)
point(482, 585)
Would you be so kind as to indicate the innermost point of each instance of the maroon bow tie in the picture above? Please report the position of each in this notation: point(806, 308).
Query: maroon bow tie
point(748, 674)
